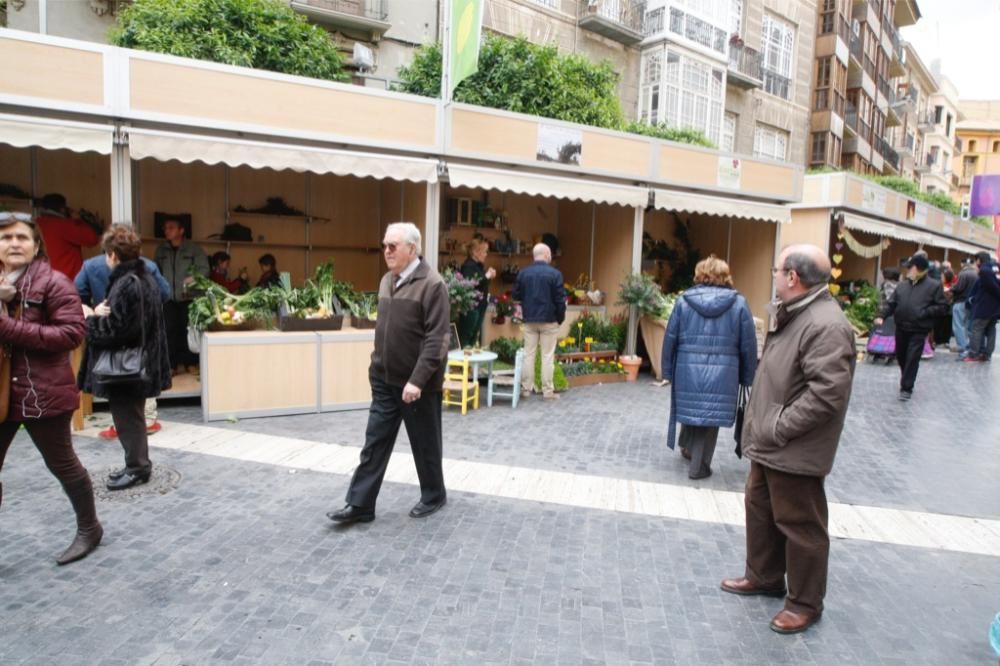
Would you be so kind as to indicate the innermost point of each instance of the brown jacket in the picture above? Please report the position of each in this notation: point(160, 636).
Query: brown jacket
point(803, 384)
point(42, 384)
point(412, 330)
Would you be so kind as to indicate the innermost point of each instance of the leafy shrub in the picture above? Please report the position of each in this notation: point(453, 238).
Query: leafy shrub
point(263, 34)
point(641, 290)
point(506, 348)
point(559, 383)
point(678, 134)
point(863, 309)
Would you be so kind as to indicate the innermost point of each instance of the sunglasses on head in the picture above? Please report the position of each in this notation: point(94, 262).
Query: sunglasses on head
point(17, 217)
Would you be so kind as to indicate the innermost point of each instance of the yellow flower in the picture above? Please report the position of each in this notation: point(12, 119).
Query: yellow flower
point(589, 340)
point(570, 340)
point(620, 365)
point(601, 362)
point(562, 344)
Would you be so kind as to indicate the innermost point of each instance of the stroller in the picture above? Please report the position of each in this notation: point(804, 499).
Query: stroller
point(882, 343)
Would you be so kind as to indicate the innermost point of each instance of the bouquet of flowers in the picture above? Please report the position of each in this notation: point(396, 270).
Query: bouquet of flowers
point(462, 293)
point(504, 306)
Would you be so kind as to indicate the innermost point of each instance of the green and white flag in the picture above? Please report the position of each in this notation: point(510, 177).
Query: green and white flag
point(466, 30)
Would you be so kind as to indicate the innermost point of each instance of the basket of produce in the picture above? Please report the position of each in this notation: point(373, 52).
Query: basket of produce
point(218, 310)
point(318, 305)
point(364, 310)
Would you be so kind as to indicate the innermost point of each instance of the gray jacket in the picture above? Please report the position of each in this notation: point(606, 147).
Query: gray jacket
point(176, 263)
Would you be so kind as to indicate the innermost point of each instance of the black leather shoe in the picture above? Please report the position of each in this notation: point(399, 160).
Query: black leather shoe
point(127, 480)
point(351, 514)
point(117, 474)
point(420, 510)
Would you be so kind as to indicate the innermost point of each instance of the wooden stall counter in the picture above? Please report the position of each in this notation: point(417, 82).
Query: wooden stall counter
point(272, 373)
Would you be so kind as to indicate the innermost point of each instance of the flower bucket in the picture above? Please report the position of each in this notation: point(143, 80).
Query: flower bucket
point(631, 364)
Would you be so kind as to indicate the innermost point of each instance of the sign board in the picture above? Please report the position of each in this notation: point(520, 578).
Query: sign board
point(985, 196)
point(920, 214)
point(559, 144)
point(873, 199)
point(730, 173)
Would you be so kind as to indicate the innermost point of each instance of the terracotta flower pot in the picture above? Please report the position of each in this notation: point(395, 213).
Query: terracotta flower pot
point(631, 364)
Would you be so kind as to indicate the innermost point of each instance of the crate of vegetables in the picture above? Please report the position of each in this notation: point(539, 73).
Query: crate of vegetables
point(316, 306)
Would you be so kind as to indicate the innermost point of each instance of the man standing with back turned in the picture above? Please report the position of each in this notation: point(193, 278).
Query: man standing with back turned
point(793, 424)
point(406, 374)
point(540, 290)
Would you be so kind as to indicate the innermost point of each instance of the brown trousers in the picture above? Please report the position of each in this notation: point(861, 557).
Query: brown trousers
point(787, 534)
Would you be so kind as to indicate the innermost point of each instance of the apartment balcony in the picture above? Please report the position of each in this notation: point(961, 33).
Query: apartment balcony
point(619, 20)
point(890, 156)
point(926, 164)
point(744, 67)
point(856, 49)
point(905, 146)
point(851, 119)
point(897, 64)
point(905, 100)
point(366, 15)
point(927, 121)
point(777, 85)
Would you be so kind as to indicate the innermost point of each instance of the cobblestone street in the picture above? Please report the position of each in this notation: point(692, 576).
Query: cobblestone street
point(237, 564)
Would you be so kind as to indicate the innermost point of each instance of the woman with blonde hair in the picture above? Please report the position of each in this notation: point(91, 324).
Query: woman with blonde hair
point(709, 351)
point(471, 323)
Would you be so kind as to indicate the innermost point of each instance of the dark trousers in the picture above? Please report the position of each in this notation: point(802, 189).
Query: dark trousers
point(909, 347)
point(700, 443)
point(983, 338)
point(175, 319)
point(787, 535)
point(470, 325)
point(423, 427)
point(129, 414)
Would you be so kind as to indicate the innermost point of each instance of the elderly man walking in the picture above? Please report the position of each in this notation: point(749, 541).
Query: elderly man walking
point(406, 375)
point(793, 424)
point(540, 290)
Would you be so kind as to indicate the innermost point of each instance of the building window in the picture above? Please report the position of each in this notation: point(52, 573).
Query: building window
point(770, 142)
point(947, 126)
point(692, 97)
point(652, 22)
point(972, 147)
point(697, 30)
point(551, 4)
point(736, 17)
point(938, 110)
point(728, 142)
point(778, 48)
point(996, 146)
point(818, 148)
point(649, 109)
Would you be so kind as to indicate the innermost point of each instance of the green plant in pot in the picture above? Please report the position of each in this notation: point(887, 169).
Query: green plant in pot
point(643, 297)
point(364, 310)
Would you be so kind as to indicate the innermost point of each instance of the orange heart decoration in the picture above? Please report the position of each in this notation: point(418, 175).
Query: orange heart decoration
point(836, 273)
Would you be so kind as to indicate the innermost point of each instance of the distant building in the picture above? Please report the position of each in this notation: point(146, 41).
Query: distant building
point(979, 135)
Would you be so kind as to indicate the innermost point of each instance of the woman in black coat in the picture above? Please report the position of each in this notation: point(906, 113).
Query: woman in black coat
point(131, 313)
point(471, 323)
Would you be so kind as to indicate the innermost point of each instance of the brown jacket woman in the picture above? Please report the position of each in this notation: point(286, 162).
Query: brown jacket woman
point(799, 399)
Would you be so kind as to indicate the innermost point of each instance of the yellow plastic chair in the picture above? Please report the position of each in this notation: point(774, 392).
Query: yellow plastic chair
point(458, 380)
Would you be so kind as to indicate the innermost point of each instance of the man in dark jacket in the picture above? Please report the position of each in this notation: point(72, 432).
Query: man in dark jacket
point(540, 290)
point(793, 423)
point(917, 301)
point(959, 313)
point(985, 310)
point(406, 375)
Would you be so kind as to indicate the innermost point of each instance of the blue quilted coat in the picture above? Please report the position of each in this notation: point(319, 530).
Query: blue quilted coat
point(710, 349)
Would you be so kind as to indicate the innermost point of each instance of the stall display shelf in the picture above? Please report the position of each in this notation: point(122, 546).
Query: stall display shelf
point(297, 218)
point(265, 244)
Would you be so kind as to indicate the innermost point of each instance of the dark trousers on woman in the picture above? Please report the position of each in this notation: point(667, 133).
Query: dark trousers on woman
point(470, 325)
point(787, 533)
point(909, 347)
point(175, 320)
point(700, 443)
point(53, 440)
point(423, 427)
point(129, 414)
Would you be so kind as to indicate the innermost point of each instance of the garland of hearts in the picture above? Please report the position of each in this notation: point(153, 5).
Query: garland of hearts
point(866, 251)
point(837, 258)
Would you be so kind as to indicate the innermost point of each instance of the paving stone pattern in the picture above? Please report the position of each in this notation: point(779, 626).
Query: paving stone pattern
point(237, 565)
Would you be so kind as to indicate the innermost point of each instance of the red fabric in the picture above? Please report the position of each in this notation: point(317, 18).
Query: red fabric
point(232, 286)
point(63, 239)
point(51, 325)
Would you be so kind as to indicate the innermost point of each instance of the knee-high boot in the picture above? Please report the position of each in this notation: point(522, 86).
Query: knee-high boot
point(88, 529)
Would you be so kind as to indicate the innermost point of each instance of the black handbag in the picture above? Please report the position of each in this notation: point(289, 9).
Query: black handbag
point(126, 366)
point(741, 408)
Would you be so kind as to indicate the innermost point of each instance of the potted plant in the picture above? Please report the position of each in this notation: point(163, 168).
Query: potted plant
point(642, 295)
point(462, 293)
point(364, 310)
point(504, 307)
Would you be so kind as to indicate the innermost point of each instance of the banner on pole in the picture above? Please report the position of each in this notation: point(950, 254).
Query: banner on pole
point(466, 31)
point(985, 196)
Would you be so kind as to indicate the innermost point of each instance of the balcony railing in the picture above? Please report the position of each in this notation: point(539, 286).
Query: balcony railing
point(851, 117)
point(857, 50)
point(906, 144)
point(776, 84)
point(927, 119)
point(746, 62)
point(620, 20)
point(906, 97)
point(864, 130)
point(371, 9)
point(887, 152)
point(886, 90)
point(829, 99)
point(869, 65)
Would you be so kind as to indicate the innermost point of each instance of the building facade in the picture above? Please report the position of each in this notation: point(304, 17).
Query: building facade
point(979, 139)
point(940, 121)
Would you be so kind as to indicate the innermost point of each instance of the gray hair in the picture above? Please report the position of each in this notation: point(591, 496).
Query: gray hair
point(409, 232)
point(810, 274)
point(541, 252)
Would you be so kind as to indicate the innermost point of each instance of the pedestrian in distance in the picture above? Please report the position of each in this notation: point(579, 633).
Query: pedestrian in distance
point(406, 376)
point(791, 431)
point(914, 304)
point(539, 288)
point(131, 315)
point(985, 301)
point(65, 234)
point(960, 291)
point(41, 322)
point(709, 352)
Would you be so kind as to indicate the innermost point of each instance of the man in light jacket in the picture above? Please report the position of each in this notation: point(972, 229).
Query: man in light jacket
point(793, 423)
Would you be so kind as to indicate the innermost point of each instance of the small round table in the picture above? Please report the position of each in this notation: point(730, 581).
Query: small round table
point(476, 359)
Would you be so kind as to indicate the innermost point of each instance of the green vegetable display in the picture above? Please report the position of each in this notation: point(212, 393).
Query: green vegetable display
point(217, 305)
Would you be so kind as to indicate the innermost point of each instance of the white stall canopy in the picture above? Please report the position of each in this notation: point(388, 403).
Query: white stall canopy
point(685, 202)
point(547, 186)
point(25, 131)
point(889, 230)
point(186, 148)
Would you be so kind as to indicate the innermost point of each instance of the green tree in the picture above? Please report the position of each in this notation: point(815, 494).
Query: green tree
point(263, 34)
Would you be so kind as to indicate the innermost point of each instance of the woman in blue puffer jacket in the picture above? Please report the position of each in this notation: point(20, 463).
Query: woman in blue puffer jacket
point(710, 349)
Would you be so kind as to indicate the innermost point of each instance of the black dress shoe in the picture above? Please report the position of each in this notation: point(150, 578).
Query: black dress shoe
point(421, 510)
point(128, 480)
point(117, 474)
point(351, 514)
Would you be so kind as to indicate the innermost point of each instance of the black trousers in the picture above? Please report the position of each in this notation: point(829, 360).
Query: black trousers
point(129, 414)
point(909, 347)
point(175, 320)
point(787, 535)
point(423, 427)
point(53, 440)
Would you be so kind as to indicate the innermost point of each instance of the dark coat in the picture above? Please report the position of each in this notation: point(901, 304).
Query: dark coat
point(475, 270)
point(49, 328)
point(540, 290)
point(985, 294)
point(710, 349)
point(124, 327)
point(915, 305)
point(803, 385)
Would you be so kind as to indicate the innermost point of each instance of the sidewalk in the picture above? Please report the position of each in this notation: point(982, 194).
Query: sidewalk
point(572, 535)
